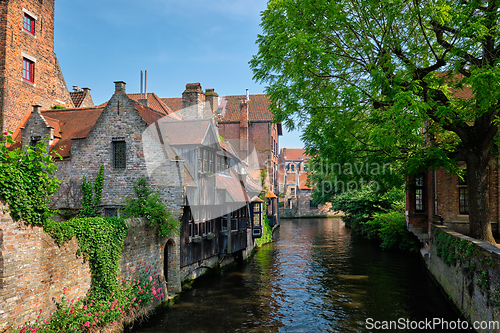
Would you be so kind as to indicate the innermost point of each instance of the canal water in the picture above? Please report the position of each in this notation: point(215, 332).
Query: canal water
point(315, 277)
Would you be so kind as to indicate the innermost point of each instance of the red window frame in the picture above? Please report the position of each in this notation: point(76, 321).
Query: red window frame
point(29, 24)
point(28, 70)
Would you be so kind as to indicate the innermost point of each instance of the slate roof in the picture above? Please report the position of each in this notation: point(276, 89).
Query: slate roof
point(154, 102)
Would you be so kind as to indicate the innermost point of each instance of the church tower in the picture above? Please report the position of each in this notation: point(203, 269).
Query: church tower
point(29, 70)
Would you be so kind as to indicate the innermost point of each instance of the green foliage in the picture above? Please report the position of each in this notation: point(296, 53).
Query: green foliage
point(360, 206)
point(89, 314)
point(147, 203)
point(27, 180)
point(390, 81)
point(92, 199)
point(390, 229)
point(267, 233)
point(57, 106)
point(377, 216)
point(100, 241)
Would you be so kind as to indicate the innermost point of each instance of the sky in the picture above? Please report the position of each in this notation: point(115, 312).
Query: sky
point(177, 42)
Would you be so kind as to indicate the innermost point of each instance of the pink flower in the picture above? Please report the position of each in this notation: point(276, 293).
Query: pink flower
point(114, 323)
point(150, 278)
point(87, 323)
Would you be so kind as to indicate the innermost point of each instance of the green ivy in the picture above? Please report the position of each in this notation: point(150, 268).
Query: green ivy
point(92, 199)
point(100, 241)
point(27, 180)
point(147, 203)
point(267, 233)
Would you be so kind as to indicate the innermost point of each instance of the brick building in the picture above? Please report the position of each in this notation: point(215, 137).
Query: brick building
point(242, 119)
point(437, 196)
point(29, 70)
point(296, 192)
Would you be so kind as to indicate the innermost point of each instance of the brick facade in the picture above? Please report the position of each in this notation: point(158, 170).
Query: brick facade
point(441, 201)
point(48, 87)
point(34, 270)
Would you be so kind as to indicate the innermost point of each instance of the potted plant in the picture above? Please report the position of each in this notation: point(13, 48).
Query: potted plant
point(210, 236)
point(195, 239)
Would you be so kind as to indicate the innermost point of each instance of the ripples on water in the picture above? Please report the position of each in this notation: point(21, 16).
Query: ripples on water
point(315, 277)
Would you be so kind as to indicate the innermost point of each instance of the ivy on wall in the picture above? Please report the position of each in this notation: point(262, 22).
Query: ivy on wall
point(147, 204)
point(27, 180)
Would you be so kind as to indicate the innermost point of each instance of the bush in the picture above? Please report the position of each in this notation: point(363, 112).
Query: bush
point(390, 229)
point(147, 203)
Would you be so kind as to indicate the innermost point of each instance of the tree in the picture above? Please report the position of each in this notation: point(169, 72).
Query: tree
point(414, 82)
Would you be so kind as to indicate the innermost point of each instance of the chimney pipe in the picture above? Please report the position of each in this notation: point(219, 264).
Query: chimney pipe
point(141, 86)
point(145, 84)
point(248, 96)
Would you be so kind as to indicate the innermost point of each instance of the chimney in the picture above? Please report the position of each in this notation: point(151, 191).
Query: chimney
point(193, 97)
point(76, 88)
point(86, 90)
point(119, 86)
point(244, 129)
point(144, 101)
point(36, 108)
point(212, 98)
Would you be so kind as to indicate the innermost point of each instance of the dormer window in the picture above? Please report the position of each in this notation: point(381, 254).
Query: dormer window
point(29, 24)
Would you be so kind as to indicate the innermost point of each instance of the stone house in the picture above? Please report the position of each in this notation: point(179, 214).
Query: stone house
point(200, 177)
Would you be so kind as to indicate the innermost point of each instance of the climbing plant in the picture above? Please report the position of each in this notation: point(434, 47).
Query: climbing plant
point(100, 241)
point(27, 179)
point(147, 203)
point(92, 198)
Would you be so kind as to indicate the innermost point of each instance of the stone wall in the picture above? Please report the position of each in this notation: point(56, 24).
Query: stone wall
point(473, 283)
point(34, 270)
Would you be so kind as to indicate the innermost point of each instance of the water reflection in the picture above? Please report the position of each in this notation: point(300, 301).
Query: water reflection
point(314, 278)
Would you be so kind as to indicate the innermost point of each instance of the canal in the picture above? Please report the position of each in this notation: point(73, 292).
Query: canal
point(315, 277)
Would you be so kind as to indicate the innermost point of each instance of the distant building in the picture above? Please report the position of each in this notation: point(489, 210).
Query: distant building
point(296, 193)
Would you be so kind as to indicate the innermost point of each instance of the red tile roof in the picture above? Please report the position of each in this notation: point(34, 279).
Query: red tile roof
point(231, 183)
point(294, 154)
point(258, 108)
point(175, 104)
point(78, 97)
point(148, 114)
point(154, 102)
point(73, 123)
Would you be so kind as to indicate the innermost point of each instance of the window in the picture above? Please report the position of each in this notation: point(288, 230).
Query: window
point(28, 70)
point(29, 24)
point(463, 196)
point(419, 193)
point(34, 140)
point(293, 167)
point(119, 153)
point(292, 191)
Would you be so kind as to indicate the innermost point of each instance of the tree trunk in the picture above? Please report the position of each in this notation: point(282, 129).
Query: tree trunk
point(477, 189)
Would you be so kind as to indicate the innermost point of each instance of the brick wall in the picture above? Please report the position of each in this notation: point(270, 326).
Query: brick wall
point(34, 270)
point(49, 87)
